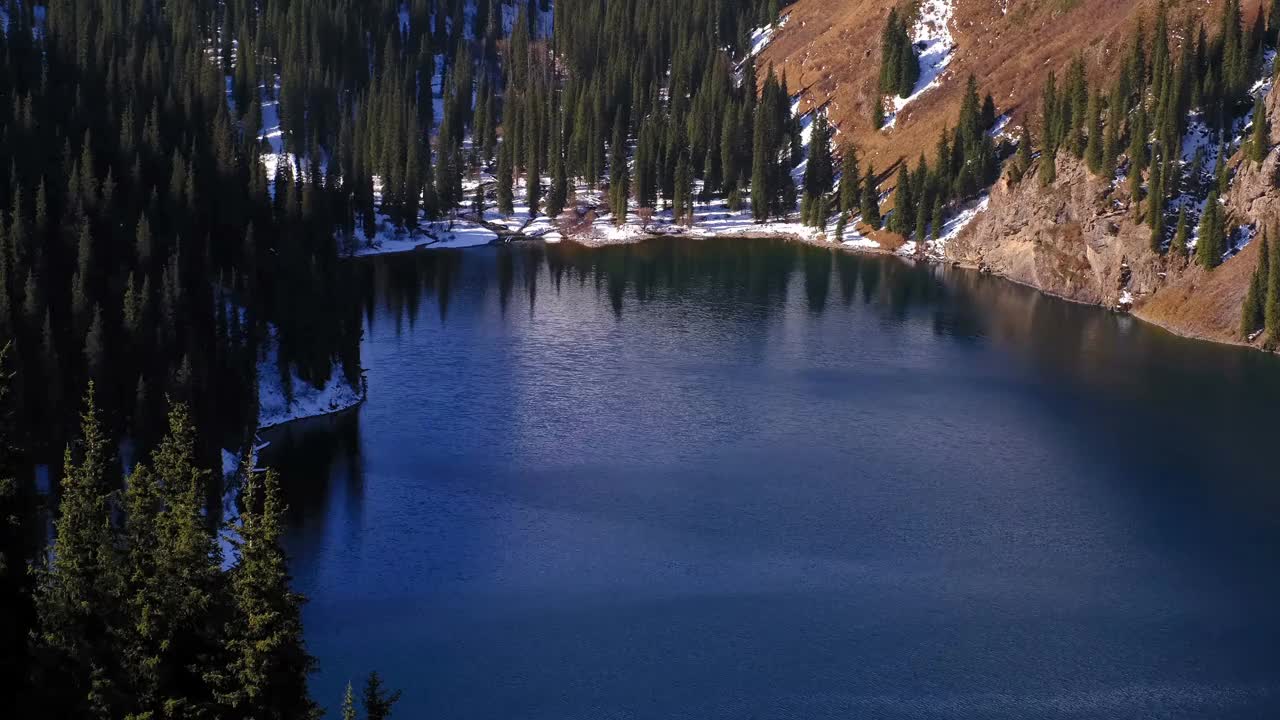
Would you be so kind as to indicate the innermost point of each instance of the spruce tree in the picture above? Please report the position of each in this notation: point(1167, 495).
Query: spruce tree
point(377, 700)
point(79, 587)
point(619, 191)
point(175, 575)
point(871, 199)
point(682, 208)
point(267, 660)
point(533, 182)
point(903, 220)
point(1093, 120)
point(1211, 244)
point(1271, 310)
point(1253, 312)
point(1048, 165)
point(850, 180)
point(506, 198)
point(1260, 137)
point(819, 174)
point(760, 162)
point(348, 709)
point(558, 194)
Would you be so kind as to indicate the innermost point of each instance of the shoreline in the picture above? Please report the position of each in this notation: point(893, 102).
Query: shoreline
point(640, 235)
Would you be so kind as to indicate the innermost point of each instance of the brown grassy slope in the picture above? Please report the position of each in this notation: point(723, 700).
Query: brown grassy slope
point(830, 50)
point(1205, 303)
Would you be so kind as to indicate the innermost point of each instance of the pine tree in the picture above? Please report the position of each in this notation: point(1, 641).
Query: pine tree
point(819, 175)
point(903, 220)
point(760, 190)
point(619, 191)
point(266, 672)
point(79, 586)
point(1260, 137)
point(1048, 166)
point(1211, 244)
point(175, 575)
point(377, 701)
point(850, 181)
point(1094, 148)
point(504, 180)
point(533, 181)
point(558, 194)
point(682, 206)
point(1253, 313)
point(871, 199)
point(349, 704)
point(1271, 310)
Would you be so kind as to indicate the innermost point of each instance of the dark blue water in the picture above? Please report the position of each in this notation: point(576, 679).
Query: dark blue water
point(752, 479)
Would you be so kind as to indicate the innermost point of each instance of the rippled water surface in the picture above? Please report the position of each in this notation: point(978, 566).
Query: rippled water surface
point(734, 479)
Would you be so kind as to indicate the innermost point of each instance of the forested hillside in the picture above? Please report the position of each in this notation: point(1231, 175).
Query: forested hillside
point(184, 181)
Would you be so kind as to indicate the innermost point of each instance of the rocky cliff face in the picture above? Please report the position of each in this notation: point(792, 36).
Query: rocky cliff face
point(1071, 239)
point(1078, 239)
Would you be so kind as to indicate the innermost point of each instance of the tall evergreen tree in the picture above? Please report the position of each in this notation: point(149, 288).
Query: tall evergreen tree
point(850, 180)
point(1260, 136)
point(871, 199)
point(266, 672)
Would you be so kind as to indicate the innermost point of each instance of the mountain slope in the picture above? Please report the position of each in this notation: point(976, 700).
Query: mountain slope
point(831, 54)
point(1078, 237)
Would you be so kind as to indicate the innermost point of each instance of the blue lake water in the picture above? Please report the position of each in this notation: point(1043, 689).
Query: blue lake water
point(755, 479)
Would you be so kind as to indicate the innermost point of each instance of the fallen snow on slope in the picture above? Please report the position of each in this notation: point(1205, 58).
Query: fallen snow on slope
point(762, 36)
point(935, 46)
point(1205, 145)
point(937, 249)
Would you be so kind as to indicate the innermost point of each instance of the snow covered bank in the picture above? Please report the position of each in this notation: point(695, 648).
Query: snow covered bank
point(279, 404)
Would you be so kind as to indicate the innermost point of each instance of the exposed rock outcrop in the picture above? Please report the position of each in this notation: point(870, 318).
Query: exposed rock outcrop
point(1071, 239)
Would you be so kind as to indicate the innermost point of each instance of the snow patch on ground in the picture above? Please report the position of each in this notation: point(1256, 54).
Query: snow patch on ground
point(711, 219)
point(227, 536)
point(275, 406)
point(951, 228)
point(762, 36)
point(232, 477)
point(861, 243)
point(510, 13)
point(444, 234)
point(935, 46)
point(997, 131)
point(1202, 142)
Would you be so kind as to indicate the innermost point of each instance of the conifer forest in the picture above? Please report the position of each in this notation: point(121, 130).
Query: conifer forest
point(185, 184)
